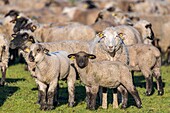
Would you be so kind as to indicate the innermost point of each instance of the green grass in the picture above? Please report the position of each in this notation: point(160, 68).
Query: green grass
point(20, 95)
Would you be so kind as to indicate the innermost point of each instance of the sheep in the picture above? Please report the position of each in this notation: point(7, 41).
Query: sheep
point(141, 57)
point(72, 31)
point(4, 55)
point(95, 74)
point(47, 76)
point(145, 29)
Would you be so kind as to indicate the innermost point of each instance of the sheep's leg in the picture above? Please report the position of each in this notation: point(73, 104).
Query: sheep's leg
point(104, 98)
point(133, 91)
point(87, 97)
point(149, 80)
point(93, 95)
point(42, 93)
point(51, 94)
point(159, 83)
point(71, 79)
point(56, 96)
point(149, 84)
point(124, 94)
point(115, 98)
point(3, 71)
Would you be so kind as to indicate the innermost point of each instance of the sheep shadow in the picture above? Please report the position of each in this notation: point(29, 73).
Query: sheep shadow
point(80, 95)
point(10, 80)
point(6, 92)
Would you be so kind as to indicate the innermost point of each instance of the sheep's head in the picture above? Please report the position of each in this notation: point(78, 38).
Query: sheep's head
point(145, 29)
point(37, 53)
point(21, 40)
point(12, 13)
point(82, 58)
point(111, 39)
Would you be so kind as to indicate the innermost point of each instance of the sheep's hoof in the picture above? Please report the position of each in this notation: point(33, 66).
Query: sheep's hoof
point(43, 107)
point(91, 108)
point(2, 83)
point(148, 93)
point(139, 106)
point(71, 104)
point(123, 106)
point(160, 93)
point(50, 107)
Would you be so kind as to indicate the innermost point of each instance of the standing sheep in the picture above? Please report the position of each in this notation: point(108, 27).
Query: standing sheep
point(4, 55)
point(47, 76)
point(95, 74)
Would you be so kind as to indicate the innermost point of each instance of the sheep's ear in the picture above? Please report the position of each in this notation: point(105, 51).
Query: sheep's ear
point(31, 38)
point(33, 28)
point(91, 56)
point(71, 56)
point(100, 34)
point(121, 35)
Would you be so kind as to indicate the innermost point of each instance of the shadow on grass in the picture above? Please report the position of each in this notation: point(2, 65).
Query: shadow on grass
point(6, 92)
point(11, 80)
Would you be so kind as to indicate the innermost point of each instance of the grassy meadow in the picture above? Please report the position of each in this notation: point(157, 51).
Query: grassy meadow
point(19, 95)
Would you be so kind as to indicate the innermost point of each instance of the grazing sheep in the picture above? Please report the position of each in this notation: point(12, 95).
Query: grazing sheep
point(95, 74)
point(72, 31)
point(4, 55)
point(49, 68)
point(145, 29)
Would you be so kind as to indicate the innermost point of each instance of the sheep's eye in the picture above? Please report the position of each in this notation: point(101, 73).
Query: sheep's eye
point(38, 50)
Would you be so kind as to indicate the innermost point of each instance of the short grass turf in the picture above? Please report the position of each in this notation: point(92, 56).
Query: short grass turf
point(19, 95)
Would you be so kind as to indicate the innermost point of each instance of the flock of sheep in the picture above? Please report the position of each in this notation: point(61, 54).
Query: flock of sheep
point(103, 41)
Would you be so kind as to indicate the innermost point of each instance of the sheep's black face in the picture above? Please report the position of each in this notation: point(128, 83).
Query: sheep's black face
point(21, 23)
point(82, 58)
point(20, 40)
point(12, 13)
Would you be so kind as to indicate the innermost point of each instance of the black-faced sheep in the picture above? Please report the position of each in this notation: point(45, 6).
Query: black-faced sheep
point(95, 74)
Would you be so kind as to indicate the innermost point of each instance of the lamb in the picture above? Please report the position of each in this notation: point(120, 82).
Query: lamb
point(95, 74)
point(72, 31)
point(47, 76)
point(4, 55)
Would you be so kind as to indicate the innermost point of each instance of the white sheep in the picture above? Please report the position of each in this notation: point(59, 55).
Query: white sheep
point(49, 69)
point(95, 74)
